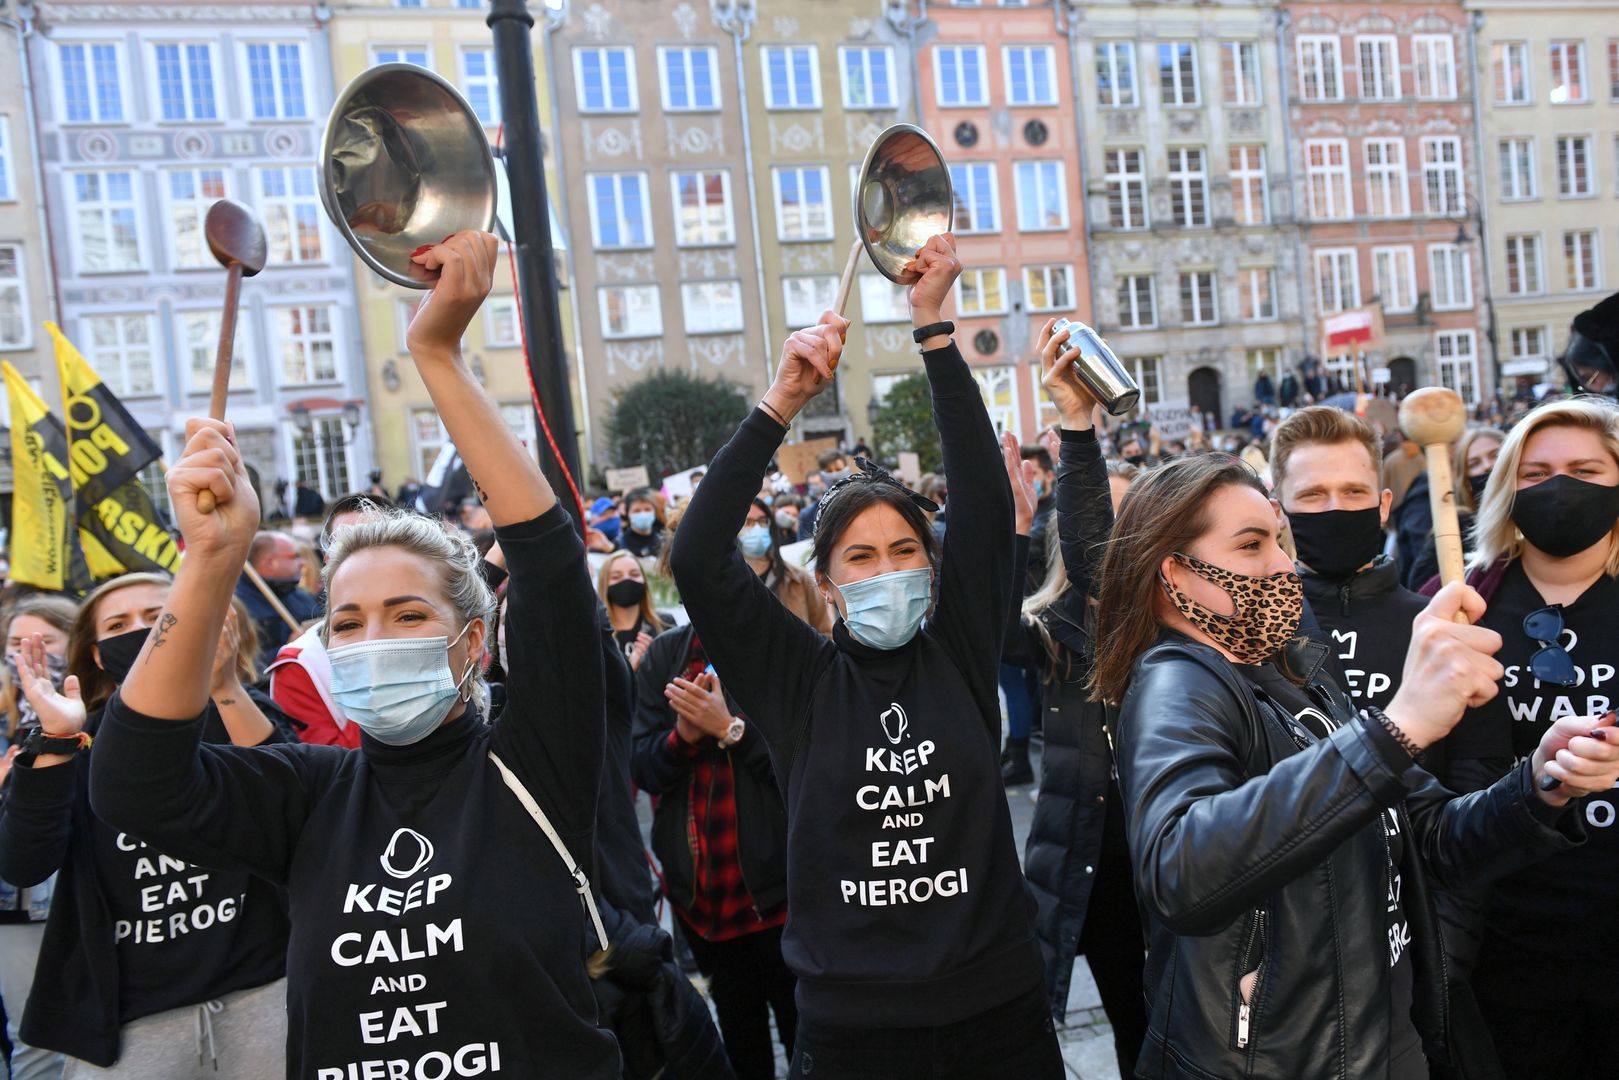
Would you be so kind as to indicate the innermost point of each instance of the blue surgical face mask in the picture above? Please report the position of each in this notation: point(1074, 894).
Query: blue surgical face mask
point(641, 520)
point(399, 690)
point(755, 541)
point(886, 611)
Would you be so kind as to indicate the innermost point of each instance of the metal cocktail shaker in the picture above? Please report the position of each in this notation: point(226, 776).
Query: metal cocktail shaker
point(1103, 373)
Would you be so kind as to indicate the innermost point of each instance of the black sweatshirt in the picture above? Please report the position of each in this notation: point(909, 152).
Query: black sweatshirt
point(132, 931)
point(906, 903)
point(434, 928)
point(1367, 621)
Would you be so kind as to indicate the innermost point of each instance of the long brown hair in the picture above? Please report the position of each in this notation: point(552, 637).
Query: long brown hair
point(95, 685)
point(1165, 510)
point(649, 614)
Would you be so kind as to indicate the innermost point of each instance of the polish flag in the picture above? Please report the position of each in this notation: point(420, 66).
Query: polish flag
point(1348, 329)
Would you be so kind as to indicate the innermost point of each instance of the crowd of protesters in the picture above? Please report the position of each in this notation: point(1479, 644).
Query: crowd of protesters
point(375, 810)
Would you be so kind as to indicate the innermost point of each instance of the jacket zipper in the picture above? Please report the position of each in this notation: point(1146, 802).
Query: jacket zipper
point(1256, 935)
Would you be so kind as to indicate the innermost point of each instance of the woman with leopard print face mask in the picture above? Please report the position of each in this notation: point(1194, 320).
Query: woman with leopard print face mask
point(1284, 845)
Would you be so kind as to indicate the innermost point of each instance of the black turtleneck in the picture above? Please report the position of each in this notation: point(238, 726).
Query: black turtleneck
point(1367, 621)
point(906, 904)
point(434, 929)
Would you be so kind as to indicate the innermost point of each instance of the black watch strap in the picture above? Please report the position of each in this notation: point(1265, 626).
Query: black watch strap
point(38, 742)
point(922, 333)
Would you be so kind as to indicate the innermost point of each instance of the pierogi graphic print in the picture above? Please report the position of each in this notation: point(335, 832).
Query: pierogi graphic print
point(902, 781)
point(408, 1012)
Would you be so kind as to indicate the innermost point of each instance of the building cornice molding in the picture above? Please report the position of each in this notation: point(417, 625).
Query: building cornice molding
point(70, 14)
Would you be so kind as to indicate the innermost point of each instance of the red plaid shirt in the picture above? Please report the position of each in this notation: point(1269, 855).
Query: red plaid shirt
point(721, 907)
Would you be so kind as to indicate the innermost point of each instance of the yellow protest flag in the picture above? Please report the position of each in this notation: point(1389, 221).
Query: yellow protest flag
point(42, 490)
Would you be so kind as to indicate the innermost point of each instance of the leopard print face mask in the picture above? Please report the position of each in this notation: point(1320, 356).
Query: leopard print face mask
point(1265, 616)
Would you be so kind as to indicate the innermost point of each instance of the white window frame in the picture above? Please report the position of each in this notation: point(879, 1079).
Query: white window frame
point(1038, 96)
point(1243, 175)
point(1433, 62)
point(96, 116)
point(1450, 375)
point(645, 289)
point(1401, 260)
point(956, 52)
point(1047, 273)
point(188, 92)
point(8, 175)
point(1239, 59)
point(281, 112)
point(860, 56)
point(112, 362)
point(19, 286)
point(1331, 177)
point(1510, 66)
point(1199, 317)
point(1320, 58)
point(619, 179)
point(1125, 182)
point(1558, 54)
point(1590, 240)
point(135, 205)
point(1249, 279)
point(402, 54)
point(1117, 95)
point(1330, 264)
point(995, 383)
point(1516, 167)
point(820, 294)
point(324, 449)
point(1441, 169)
point(1528, 251)
point(1190, 186)
point(306, 341)
point(882, 301)
point(1450, 277)
point(795, 100)
point(1518, 343)
point(196, 359)
point(488, 83)
point(981, 276)
point(608, 106)
point(727, 235)
point(1384, 84)
point(1566, 175)
point(1129, 295)
point(196, 208)
point(499, 308)
point(969, 170)
point(825, 232)
point(291, 203)
point(1176, 88)
point(693, 289)
point(690, 85)
point(1387, 178)
point(1046, 175)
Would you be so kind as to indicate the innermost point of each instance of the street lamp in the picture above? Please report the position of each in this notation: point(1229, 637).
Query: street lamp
point(1473, 209)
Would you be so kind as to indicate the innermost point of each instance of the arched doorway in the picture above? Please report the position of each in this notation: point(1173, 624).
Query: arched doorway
point(1402, 375)
point(1203, 391)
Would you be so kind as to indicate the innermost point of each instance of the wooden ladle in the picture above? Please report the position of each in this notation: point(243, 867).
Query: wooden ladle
point(1435, 418)
point(237, 240)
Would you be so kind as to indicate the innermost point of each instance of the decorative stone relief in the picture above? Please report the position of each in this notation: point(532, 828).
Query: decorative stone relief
point(238, 144)
point(1254, 243)
point(1184, 122)
point(282, 143)
point(1374, 22)
point(708, 263)
point(862, 128)
point(859, 27)
point(888, 339)
point(797, 136)
point(1123, 122)
point(695, 138)
point(1244, 121)
point(612, 138)
point(598, 23)
point(259, 13)
point(685, 17)
point(629, 267)
point(96, 146)
point(717, 350)
point(785, 27)
point(634, 355)
point(1384, 126)
point(145, 146)
point(193, 145)
point(1326, 125)
point(808, 258)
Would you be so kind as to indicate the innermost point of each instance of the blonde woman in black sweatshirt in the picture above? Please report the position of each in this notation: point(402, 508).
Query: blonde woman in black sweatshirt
point(909, 924)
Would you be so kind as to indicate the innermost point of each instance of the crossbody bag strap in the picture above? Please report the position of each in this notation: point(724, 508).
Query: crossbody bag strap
point(581, 884)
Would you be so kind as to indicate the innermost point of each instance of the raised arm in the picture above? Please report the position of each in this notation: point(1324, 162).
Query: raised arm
point(1084, 505)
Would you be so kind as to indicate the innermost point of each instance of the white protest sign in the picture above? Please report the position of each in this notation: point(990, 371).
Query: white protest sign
point(1173, 419)
point(628, 479)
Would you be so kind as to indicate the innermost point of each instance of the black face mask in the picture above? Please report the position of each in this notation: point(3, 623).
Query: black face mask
point(1476, 483)
point(1337, 543)
point(626, 593)
point(282, 587)
point(118, 653)
point(1137, 460)
point(1564, 516)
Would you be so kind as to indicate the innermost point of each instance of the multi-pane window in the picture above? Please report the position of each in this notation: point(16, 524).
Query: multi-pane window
point(199, 344)
point(1394, 278)
point(1580, 259)
point(290, 208)
point(803, 210)
point(92, 82)
point(1450, 279)
point(1188, 187)
point(977, 205)
point(805, 298)
point(883, 301)
point(1326, 165)
point(105, 220)
point(1509, 60)
point(1576, 175)
point(1198, 307)
point(1048, 288)
point(275, 80)
point(480, 81)
point(630, 311)
point(1145, 370)
point(500, 329)
point(185, 81)
point(1569, 84)
point(1138, 302)
point(399, 54)
point(1523, 265)
point(1434, 65)
point(1042, 202)
point(1458, 366)
point(8, 190)
point(1031, 74)
point(1319, 76)
point(307, 344)
point(1337, 279)
point(958, 75)
point(120, 349)
point(792, 77)
point(619, 215)
point(868, 76)
point(1442, 175)
point(1379, 67)
point(1115, 74)
point(1126, 189)
point(1385, 178)
point(428, 436)
point(1528, 342)
point(1239, 72)
point(997, 385)
point(689, 78)
point(1613, 69)
point(1249, 202)
point(982, 292)
point(189, 193)
point(1177, 72)
point(702, 203)
point(320, 456)
point(1256, 293)
point(711, 307)
point(604, 79)
point(1517, 159)
point(14, 317)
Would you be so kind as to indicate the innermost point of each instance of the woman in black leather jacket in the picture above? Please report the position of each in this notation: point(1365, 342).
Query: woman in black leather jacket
point(1283, 844)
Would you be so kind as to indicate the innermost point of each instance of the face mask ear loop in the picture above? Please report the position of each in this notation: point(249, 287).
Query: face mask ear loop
point(466, 676)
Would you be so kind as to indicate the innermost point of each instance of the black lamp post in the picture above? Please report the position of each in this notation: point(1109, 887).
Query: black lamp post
point(1474, 210)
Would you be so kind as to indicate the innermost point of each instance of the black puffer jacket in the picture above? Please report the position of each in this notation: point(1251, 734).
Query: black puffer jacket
point(1253, 841)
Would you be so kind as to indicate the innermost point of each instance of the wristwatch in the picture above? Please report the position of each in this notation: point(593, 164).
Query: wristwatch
point(41, 742)
point(922, 333)
point(734, 733)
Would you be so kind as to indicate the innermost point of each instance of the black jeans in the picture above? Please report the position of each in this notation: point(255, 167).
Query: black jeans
point(1015, 1041)
point(748, 979)
point(1545, 1027)
point(1112, 941)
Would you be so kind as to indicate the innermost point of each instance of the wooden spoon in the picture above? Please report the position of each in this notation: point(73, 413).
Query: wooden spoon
point(237, 240)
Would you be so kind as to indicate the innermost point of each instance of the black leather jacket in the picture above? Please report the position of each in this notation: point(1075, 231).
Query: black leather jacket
point(1258, 846)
